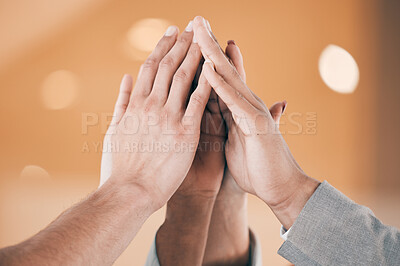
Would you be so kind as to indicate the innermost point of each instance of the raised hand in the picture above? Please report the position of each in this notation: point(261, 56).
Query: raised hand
point(181, 240)
point(152, 139)
point(257, 156)
point(228, 235)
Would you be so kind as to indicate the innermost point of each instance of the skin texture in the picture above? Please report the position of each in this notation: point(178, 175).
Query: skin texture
point(151, 158)
point(98, 229)
point(228, 237)
point(94, 232)
point(257, 155)
point(158, 112)
point(181, 240)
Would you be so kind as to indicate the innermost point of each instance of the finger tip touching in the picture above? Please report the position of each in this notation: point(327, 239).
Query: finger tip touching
point(198, 20)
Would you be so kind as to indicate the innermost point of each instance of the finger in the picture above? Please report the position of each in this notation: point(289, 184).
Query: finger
point(170, 63)
point(235, 102)
point(212, 104)
point(197, 102)
point(183, 79)
point(233, 53)
point(211, 50)
point(277, 110)
point(125, 90)
point(149, 68)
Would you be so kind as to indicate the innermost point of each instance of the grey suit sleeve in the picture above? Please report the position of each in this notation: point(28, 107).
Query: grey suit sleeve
point(333, 230)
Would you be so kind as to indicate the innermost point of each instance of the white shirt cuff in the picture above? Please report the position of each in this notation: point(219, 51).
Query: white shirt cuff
point(284, 233)
point(255, 252)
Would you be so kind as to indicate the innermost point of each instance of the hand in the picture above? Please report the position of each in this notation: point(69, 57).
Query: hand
point(233, 53)
point(205, 175)
point(257, 156)
point(154, 134)
point(180, 241)
point(228, 235)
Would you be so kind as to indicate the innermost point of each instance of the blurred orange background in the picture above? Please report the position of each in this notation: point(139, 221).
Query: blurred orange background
point(61, 63)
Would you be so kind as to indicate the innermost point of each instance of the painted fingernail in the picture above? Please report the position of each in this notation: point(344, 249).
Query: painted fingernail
point(284, 106)
point(189, 27)
point(170, 31)
point(231, 42)
point(208, 26)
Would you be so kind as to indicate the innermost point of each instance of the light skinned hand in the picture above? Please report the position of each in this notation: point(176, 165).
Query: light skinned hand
point(155, 130)
point(256, 153)
point(228, 236)
point(232, 51)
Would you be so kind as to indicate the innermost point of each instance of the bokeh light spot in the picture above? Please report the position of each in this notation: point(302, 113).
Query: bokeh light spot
point(145, 33)
point(338, 69)
point(60, 89)
point(142, 37)
point(34, 172)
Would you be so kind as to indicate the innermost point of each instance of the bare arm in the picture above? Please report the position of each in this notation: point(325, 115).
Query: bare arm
point(135, 183)
point(228, 235)
point(93, 232)
point(181, 240)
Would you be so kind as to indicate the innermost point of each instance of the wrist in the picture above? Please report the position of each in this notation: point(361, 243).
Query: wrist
point(289, 209)
point(197, 207)
point(130, 196)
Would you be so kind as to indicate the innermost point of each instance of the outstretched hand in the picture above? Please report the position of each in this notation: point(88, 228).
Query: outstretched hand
point(257, 155)
point(152, 139)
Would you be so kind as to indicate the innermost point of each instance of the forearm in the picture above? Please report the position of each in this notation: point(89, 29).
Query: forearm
point(181, 240)
point(228, 235)
point(93, 232)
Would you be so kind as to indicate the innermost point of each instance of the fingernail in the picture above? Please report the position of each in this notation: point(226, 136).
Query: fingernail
point(170, 31)
point(208, 25)
point(284, 106)
point(205, 25)
point(231, 42)
point(189, 27)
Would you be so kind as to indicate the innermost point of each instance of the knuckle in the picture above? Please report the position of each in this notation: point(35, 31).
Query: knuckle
point(185, 40)
point(124, 106)
point(196, 99)
point(233, 72)
point(211, 49)
point(181, 76)
point(194, 52)
point(150, 63)
point(150, 103)
point(239, 95)
point(167, 62)
point(203, 82)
